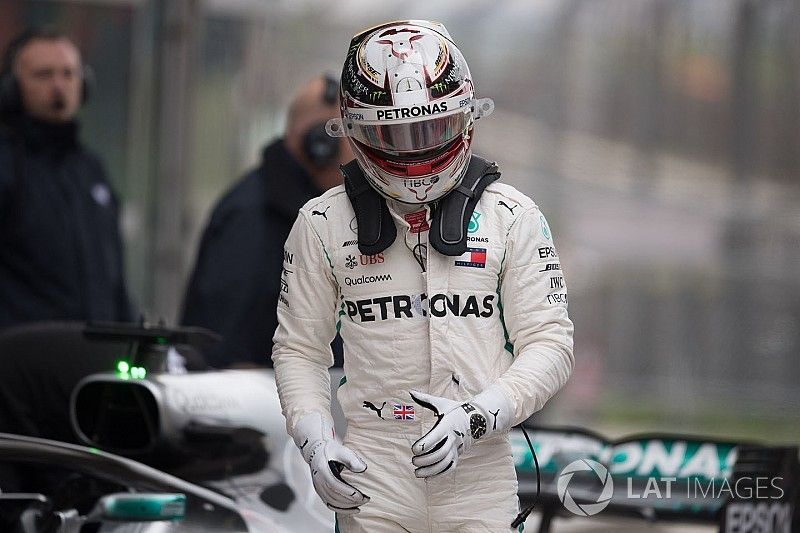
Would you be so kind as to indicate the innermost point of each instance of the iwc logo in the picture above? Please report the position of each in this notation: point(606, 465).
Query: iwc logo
point(584, 509)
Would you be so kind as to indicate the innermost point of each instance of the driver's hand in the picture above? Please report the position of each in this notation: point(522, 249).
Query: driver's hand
point(458, 426)
point(327, 457)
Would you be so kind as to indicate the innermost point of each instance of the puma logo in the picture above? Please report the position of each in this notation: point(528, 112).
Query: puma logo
point(494, 425)
point(370, 405)
point(501, 202)
point(324, 213)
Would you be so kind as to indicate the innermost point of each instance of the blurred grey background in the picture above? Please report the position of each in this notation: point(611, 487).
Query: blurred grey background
point(661, 138)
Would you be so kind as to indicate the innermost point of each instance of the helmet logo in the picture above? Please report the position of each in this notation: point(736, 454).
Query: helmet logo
point(407, 85)
point(415, 185)
point(402, 48)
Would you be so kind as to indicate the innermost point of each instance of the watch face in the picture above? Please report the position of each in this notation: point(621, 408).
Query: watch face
point(477, 426)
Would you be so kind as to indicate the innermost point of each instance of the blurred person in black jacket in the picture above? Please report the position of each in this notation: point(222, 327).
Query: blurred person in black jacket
point(236, 282)
point(60, 246)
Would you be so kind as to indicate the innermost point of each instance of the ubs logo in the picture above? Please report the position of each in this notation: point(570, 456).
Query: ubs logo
point(365, 260)
point(376, 259)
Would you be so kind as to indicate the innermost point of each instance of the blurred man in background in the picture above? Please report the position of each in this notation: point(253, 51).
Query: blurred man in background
point(236, 281)
point(60, 246)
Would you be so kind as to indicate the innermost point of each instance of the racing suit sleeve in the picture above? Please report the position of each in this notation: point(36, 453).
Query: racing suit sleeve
point(534, 300)
point(301, 351)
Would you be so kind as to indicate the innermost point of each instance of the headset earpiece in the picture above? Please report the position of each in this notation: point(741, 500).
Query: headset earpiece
point(88, 83)
point(320, 148)
point(331, 94)
point(9, 94)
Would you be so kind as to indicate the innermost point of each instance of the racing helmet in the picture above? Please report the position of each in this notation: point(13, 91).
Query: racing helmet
point(408, 109)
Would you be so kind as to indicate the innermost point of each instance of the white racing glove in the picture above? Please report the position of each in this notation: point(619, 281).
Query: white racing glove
point(458, 426)
point(327, 457)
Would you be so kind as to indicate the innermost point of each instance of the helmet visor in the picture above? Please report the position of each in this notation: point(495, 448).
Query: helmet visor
point(411, 136)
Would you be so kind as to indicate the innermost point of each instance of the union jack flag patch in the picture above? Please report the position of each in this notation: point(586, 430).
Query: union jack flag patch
point(403, 412)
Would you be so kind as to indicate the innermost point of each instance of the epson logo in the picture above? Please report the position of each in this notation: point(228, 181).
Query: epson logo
point(547, 251)
point(410, 112)
point(758, 516)
point(403, 306)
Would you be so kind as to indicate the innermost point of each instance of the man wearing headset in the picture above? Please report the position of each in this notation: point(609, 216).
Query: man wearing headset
point(237, 276)
point(447, 291)
point(60, 246)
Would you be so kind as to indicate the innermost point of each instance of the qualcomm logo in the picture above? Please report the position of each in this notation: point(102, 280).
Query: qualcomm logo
point(584, 509)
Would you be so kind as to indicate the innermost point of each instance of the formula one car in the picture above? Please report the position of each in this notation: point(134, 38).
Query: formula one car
point(108, 493)
point(221, 433)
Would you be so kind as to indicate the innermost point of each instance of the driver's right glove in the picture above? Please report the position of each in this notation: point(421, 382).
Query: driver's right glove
point(326, 456)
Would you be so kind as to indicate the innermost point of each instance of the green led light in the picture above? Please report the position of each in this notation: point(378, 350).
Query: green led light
point(138, 372)
point(123, 367)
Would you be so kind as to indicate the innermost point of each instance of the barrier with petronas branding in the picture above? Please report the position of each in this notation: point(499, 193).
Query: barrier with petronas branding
point(659, 476)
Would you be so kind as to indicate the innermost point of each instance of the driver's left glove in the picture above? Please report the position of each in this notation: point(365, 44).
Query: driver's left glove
point(458, 426)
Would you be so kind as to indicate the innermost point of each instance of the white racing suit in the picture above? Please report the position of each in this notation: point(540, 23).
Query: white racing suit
point(497, 314)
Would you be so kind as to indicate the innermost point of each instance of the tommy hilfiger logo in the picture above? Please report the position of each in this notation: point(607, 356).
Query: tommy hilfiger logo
point(473, 257)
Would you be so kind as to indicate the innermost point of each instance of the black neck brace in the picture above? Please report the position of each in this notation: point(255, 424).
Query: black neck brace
point(451, 214)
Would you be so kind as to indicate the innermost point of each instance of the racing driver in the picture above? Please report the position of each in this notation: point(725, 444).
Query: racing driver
point(446, 288)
